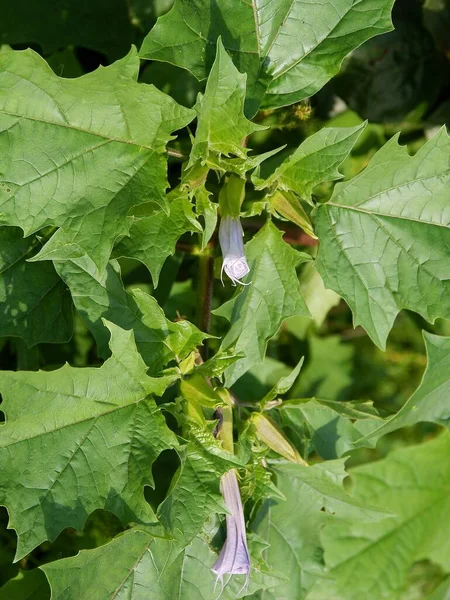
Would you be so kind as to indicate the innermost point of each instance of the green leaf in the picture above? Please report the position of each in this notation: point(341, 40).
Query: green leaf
point(413, 483)
point(153, 238)
point(326, 427)
point(316, 160)
point(430, 402)
point(221, 123)
point(98, 296)
point(257, 310)
point(284, 384)
point(194, 493)
point(80, 439)
point(384, 237)
point(35, 304)
point(288, 48)
point(80, 153)
point(314, 496)
point(147, 567)
point(27, 585)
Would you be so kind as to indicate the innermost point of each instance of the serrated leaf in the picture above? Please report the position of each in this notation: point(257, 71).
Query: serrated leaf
point(413, 483)
point(78, 154)
point(98, 296)
point(256, 311)
point(316, 160)
point(430, 402)
point(153, 238)
point(80, 439)
point(288, 48)
point(314, 496)
point(221, 123)
point(147, 567)
point(35, 303)
point(326, 427)
point(384, 237)
point(194, 493)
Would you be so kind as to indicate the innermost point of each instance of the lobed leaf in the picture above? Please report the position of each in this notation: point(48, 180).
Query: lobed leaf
point(376, 557)
point(80, 153)
point(153, 238)
point(314, 496)
point(288, 48)
point(76, 440)
point(384, 237)
point(146, 567)
point(97, 296)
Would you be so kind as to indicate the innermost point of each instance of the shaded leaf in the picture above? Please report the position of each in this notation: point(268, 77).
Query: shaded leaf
point(327, 427)
point(103, 25)
point(27, 585)
point(329, 370)
point(430, 402)
point(35, 305)
point(194, 493)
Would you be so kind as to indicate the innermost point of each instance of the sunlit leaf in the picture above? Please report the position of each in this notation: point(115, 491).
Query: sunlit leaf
point(78, 154)
point(288, 48)
point(78, 439)
point(384, 237)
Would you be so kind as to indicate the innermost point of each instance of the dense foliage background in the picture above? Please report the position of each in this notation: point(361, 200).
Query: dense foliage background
point(400, 83)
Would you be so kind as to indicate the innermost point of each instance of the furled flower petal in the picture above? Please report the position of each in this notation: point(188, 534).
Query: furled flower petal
point(232, 246)
point(234, 558)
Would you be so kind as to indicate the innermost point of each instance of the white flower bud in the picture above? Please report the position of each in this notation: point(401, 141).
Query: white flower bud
point(232, 246)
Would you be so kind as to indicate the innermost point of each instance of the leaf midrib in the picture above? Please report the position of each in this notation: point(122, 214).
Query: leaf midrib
point(386, 215)
point(76, 422)
point(109, 138)
point(417, 514)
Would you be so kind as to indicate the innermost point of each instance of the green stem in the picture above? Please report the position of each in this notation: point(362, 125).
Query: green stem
point(204, 302)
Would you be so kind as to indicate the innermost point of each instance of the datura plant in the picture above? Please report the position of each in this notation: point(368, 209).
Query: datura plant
point(206, 338)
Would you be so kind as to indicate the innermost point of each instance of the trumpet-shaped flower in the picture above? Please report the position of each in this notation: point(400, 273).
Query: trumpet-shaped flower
point(234, 558)
point(232, 246)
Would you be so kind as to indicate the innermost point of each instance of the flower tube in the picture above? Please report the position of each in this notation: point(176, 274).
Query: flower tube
point(234, 558)
point(232, 246)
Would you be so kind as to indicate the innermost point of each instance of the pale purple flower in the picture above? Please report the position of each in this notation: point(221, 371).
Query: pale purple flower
point(232, 246)
point(234, 558)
